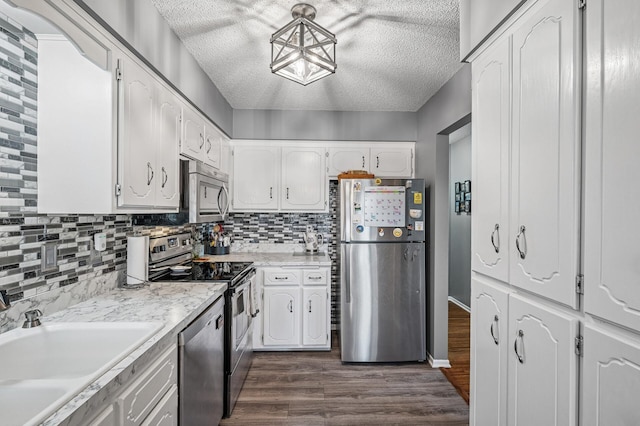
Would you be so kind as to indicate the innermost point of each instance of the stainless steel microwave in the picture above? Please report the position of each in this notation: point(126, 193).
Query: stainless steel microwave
point(208, 194)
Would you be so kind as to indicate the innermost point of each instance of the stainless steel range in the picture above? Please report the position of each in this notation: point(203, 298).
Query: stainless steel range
point(170, 260)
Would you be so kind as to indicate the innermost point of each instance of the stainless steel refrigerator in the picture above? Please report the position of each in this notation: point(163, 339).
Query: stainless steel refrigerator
point(382, 270)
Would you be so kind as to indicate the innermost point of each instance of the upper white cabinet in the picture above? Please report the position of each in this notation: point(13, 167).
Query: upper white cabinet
point(384, 159)
point(490, 167)
point(545, 156)
point(149, 134)
point(256, 178)
point(612, 205)
point(201, 140)
point(303, 179)
point(271, 177)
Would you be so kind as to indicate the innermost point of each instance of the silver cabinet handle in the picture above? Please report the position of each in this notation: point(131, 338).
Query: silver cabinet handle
point(149, 173)
point(208, 145)
point(291, 306)
point(201, 141)
point(495, 236)
point(523, 253)
point(287, 193)
point(205, 192)
point(271, 192)
point(363, 162)
point(309, 306)
point(494, 322)
point(165, 177)
point(377, 162)
point(520, 337)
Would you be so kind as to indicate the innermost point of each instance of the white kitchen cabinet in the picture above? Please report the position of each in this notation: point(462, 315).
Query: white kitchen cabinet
point(149, 138)
point(296, 308)
point(303, 179)
point(256, 178)
point(612, 205)
point(545, 154)
point(391, 162)
point(316, 312)
point(489, 354)
point(542, 365)
point(107, 417)
point(201, 140)
point(284, 177)
point(345, 158)
point(611, 374)
point(166, 412)
point(490, 167)
point(282, 317)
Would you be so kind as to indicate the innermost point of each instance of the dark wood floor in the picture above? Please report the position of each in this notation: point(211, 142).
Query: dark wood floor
point(315, 388)
point(459, 350)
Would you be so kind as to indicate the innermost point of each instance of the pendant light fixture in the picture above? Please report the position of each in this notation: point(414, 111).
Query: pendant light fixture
point(302, 50)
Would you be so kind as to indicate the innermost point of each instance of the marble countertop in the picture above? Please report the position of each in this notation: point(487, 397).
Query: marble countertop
point(273, 259)
point(175, 305)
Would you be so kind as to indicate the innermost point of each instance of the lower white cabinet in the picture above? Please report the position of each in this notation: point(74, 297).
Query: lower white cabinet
point(151, 399)
point(524, 365)
point(295, 311)
point(611, 378)
point(489, 354)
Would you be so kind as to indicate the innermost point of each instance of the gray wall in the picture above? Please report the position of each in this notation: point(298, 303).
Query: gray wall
point(448, 108)
point(459, 224)
point(140, 24)
point(479, 18)
point(324, 125)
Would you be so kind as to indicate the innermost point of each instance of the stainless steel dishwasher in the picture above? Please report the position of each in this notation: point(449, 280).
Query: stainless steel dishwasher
point(201, 372)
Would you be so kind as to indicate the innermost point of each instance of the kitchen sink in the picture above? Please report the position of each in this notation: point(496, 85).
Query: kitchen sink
point(46, 366)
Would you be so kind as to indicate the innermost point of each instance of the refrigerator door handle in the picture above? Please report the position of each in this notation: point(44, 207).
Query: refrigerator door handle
point(347, 281)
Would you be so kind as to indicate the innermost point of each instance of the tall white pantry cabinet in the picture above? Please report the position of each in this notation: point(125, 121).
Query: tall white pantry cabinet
point(555, 309)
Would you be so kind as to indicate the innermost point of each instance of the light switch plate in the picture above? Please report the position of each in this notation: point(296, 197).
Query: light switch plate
point(49, 256)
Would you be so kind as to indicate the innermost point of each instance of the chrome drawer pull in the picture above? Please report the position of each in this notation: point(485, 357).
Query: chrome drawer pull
point(494, 322)
point(515, 346)
point(523, 253)
point(496, 233)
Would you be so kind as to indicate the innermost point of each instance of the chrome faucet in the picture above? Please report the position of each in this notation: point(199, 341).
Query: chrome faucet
point(33, 318)
point(4, 300)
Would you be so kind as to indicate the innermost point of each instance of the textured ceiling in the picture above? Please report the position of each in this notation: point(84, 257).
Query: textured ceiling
point(392, 55)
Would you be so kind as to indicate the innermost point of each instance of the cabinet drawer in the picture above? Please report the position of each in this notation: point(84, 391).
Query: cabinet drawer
point(106, 418)
point(141, 397)
point(315, 277)
point(281, 277)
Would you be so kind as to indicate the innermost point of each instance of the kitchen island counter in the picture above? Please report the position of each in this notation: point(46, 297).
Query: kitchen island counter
point(175, 306)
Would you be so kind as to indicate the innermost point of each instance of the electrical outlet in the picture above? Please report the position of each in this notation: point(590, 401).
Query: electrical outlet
point(49, 256)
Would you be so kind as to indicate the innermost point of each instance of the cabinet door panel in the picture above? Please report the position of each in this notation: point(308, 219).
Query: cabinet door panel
point(611, 379)
point(612, 207)
point(392, 162)
point(546, 152)
point(256, 174)
point(542, 365)
point(345, 159)
point(212, 146)
point(489, 354)
point(137, 143)
point(168, 131)
point(490, 141)
point(303, 179)
point(281, 316)
point(192, 144)
point(314, 320)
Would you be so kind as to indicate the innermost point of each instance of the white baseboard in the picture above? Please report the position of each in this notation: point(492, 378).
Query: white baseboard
point(438, 363)
point(459, 304)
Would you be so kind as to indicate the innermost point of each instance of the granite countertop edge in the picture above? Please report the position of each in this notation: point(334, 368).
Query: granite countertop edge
point(272, 259)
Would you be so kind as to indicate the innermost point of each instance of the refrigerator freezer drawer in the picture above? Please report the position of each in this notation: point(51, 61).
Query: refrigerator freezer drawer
point(382, 289)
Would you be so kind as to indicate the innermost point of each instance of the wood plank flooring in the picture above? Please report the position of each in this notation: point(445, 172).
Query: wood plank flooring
point(459, 350)
point(315, 388)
